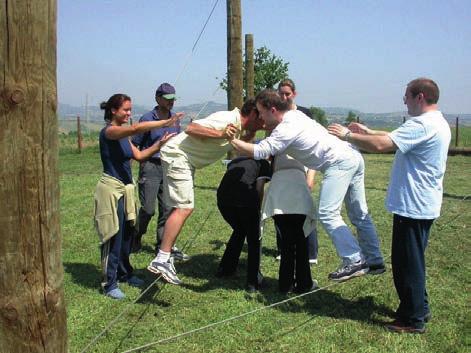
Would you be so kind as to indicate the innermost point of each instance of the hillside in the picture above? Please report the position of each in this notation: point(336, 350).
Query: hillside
point(68, 113)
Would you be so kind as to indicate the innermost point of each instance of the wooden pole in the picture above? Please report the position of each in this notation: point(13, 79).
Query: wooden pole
point(234, 54)
point(79, 135)
point(249, 66)
point(457, 130)
point(32, 308)
point(234, 58)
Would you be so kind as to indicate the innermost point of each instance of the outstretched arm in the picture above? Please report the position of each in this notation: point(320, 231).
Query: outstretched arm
point(198, 130)
point(368, 140)
point(149, 152)
point(116, 132)
point(243, 147)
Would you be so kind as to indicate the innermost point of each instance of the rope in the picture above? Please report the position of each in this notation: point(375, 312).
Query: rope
point(126, 309)
point(187, 60)
point(93, 341)
point(213, 324)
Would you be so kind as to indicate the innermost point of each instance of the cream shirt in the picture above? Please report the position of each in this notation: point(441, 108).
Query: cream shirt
point(288, 193)
point(201, 152)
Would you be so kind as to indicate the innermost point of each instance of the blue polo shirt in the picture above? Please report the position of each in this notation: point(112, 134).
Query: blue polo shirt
point(116, 156)
point(147, 139)
point(416, 186)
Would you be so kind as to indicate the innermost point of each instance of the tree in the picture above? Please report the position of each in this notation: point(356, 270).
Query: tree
point(319, 115)
point(351, 117)
point(269, 70)
point(32, 307)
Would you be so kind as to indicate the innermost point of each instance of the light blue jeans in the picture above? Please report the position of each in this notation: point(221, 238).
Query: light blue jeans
point(344, 181)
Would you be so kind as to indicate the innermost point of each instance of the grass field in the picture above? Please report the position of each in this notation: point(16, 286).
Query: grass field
point(342, 318)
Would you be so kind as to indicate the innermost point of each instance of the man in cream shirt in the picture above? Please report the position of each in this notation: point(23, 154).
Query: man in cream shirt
point(203, 143)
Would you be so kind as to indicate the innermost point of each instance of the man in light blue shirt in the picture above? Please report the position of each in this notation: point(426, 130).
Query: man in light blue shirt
point(414, 193)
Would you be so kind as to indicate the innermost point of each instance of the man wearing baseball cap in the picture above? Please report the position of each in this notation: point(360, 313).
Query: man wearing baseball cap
point(150, 172)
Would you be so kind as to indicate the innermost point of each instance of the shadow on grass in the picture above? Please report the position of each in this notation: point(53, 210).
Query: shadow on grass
point(457, 197)
point(321, 303)
point(204, 267)
point(204, 187)
point(86, 275)
point(331, 304)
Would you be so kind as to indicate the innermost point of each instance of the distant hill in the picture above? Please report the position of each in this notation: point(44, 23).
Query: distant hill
point(68, 112)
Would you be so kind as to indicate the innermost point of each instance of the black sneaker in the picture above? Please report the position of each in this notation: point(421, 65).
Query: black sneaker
point(299, 290)
point(346, 272)
point(377, 269)
point(166, 269)
point(398, 326)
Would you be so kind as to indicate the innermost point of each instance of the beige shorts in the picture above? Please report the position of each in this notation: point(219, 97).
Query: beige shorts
point(178, 180)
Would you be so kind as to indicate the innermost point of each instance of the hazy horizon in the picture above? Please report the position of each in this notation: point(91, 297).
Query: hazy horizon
point(358, 54)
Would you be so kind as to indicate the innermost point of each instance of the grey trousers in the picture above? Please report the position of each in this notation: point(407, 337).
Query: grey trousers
point(151, 193)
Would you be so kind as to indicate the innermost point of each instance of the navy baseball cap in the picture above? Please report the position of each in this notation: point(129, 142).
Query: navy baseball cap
point(166, 90)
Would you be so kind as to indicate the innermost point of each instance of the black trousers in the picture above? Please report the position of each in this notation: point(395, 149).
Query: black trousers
point(409, 241)
point(294, 264)
point(115, 253)
point(245, 222)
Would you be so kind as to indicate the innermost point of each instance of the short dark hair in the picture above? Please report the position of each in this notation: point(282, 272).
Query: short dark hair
point(425, 86)
point(115, 102)
point(248, 106)
point(269, 98)
point(287, 82)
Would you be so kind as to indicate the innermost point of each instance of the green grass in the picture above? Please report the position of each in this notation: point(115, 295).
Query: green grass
point(342, 318)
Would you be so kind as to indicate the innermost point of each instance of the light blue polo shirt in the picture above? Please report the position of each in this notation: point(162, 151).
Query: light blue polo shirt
point(416, 186)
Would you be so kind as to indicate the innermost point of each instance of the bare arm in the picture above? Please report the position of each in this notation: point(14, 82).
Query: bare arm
point(310, 178)
point(368, 142)
point(197, 130)
point(243, 147)
point(149, 152)
point(363, 129)
point(115, 132)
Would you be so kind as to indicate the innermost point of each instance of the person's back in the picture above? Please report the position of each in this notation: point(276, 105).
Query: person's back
point(238, 185)
point(202, 152)
point(309, 142)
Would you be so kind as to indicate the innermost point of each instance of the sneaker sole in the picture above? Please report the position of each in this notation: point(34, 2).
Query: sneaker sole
point(167, 278)
point(359, 273)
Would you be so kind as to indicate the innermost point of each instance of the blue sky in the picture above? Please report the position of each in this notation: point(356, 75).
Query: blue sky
point(358, 54)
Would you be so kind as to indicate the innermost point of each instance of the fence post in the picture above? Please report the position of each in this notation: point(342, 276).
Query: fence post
point(79, 135)
point(457, 131)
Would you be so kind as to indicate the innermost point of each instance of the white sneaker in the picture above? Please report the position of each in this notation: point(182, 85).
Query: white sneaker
point(166, 269)
point(313, 261)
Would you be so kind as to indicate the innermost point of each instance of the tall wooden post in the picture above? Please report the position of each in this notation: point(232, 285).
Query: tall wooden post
point(249, 66)
point(234, 54)
point(457, 130)
point(79, 135)
point(32, 309)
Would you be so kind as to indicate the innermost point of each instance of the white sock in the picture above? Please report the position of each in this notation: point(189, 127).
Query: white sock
point(162, 256)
